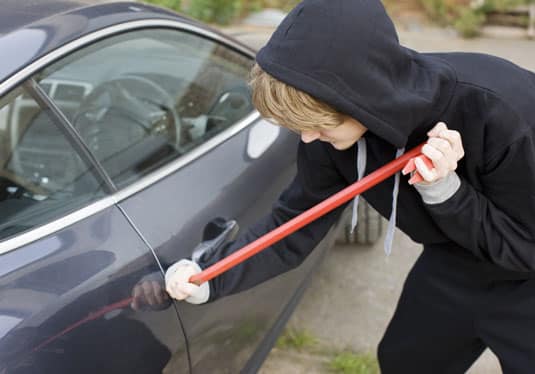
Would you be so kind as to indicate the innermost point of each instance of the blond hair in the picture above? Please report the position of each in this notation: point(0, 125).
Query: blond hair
point(288, 106)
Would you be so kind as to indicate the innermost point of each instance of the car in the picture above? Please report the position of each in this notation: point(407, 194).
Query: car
point(129, 142)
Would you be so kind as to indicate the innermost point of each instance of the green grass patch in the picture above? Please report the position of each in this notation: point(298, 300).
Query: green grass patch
point(296, 339)
point(352, 363)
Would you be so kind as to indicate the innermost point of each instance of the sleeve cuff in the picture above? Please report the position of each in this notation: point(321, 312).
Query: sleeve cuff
point(439, 191)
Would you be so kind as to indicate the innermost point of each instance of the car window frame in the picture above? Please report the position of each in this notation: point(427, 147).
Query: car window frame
point(25, 75)
point(67, 218)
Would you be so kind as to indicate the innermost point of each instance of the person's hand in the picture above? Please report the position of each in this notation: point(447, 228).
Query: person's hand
point(178, 286)
point(148, 293)
point(444, 148)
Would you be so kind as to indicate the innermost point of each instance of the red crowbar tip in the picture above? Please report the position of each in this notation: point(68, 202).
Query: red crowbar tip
point(312, 214)
point(411, 167)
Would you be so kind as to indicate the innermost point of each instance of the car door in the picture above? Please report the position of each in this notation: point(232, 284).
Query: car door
point(169, 117)
point(69, 258)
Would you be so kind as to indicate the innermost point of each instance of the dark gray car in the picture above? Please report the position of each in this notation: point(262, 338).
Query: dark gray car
point(129, 141)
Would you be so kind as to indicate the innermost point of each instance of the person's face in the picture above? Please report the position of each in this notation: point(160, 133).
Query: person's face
point(340, 137)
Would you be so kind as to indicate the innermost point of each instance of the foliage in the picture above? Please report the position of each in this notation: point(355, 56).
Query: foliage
point(469, 23)
point(280, 4)
point(222, 11)
point(466, 16)
point(296, 339)
point(498, 5)
point(438, 10)
point(252, 5)
point(351, 363)
point(171, 4)
point(215, 11)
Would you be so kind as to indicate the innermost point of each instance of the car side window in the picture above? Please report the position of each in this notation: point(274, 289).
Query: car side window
point(144, 98)
point(42, 177)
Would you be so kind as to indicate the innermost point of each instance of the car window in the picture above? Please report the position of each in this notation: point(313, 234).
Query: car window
point(42, 177)
point(142, 99)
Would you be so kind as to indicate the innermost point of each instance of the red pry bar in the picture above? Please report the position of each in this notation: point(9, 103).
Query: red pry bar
point(312, 214)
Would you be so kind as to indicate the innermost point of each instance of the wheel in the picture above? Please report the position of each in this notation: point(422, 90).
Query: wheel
point(369, 227)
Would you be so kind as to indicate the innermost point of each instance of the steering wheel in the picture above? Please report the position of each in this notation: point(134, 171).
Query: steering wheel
point(229, 107)
point(137, 101)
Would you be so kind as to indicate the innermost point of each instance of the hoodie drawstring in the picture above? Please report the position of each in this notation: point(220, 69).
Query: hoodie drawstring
point(361, 166)
point(389, 238)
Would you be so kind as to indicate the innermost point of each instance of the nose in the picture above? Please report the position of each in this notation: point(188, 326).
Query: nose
point(308, 136)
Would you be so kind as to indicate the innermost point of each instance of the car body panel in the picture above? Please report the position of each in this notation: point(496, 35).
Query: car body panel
point(64, 302)
point(18, 13)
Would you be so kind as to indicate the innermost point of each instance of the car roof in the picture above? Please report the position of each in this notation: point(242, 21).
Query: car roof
point(18, 13)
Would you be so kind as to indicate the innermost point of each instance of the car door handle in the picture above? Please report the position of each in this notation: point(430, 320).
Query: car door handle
point(216, 233)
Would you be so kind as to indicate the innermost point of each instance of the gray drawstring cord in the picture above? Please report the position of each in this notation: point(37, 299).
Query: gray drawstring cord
point(361, 166)
point(389, 238)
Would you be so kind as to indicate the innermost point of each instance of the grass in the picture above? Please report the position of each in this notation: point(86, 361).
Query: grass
point(352, 363)
point(296, 339)
point(338, 362)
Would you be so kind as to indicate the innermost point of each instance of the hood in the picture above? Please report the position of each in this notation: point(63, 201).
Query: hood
point(346, 53)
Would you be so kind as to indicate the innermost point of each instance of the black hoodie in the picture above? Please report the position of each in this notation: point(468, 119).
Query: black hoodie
point(346, 53)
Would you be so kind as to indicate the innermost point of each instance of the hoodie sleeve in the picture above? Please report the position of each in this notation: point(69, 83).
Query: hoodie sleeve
point(496, 223)
point(316, 179)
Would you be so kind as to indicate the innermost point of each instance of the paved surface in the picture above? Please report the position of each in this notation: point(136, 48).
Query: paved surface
point(351, 300)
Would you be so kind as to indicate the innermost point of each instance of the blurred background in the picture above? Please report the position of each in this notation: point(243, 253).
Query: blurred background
point(467, 17)
point(344, 312)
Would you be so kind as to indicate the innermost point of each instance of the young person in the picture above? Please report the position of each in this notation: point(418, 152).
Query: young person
point(335, 72)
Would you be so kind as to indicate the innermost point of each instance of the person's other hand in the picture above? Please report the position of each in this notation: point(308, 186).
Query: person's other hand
point(148, 293)
point(178, 286)
point(444, 148)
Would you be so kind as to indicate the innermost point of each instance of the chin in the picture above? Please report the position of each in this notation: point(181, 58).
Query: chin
point(341, 147)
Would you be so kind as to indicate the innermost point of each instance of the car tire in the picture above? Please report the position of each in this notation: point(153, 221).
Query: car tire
point(369, 227)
